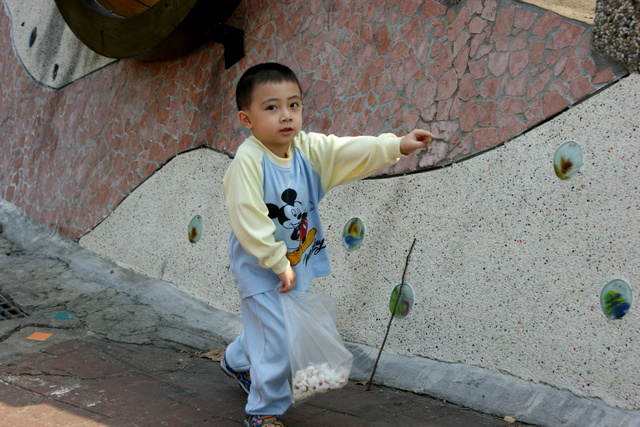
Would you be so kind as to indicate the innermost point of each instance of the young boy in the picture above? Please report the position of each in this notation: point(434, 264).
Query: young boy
point(272, 190)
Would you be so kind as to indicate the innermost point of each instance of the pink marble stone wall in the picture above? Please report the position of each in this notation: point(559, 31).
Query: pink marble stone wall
point(476, 75)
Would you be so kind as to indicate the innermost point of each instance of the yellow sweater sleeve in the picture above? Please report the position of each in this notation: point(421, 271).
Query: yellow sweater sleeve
point(339, 160)
point(247, 212)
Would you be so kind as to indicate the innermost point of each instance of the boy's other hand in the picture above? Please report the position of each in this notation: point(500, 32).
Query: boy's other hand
point(288, 279)
point(415, 140)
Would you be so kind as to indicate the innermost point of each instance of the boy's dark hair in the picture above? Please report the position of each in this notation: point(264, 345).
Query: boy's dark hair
point(269, 72)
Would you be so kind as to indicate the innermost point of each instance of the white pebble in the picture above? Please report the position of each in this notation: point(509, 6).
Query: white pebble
point(317, 379)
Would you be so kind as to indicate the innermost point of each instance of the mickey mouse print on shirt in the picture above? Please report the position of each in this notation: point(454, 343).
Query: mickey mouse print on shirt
point(293, 216)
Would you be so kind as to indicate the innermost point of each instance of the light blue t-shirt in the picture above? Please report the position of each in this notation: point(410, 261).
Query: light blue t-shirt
point(272, 203)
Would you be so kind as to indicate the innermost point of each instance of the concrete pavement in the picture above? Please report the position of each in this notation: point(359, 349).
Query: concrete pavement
point(89, 381)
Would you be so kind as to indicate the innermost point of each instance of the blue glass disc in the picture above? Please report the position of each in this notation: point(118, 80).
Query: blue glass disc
point(353, 234)
point(615, 299)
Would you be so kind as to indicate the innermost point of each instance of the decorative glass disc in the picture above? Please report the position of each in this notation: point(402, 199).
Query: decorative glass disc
point(33, 36)
point(405, 302)
point(353, 234)
point(615, 299)
point(568, 160)
point(195, 228)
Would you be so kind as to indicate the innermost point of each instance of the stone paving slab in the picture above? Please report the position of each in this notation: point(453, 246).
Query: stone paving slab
point(25, 408)
point(90, 382)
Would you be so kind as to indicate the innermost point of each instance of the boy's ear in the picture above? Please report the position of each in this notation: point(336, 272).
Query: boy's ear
point(245, 119)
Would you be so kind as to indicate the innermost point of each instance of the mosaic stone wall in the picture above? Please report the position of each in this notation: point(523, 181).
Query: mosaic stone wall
point(476, 74)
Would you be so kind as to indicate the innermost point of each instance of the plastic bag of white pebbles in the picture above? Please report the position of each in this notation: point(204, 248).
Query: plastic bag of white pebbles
point(319, 360)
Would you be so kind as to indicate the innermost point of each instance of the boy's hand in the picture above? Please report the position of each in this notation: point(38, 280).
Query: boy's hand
point(415, 140)
point(288, 279)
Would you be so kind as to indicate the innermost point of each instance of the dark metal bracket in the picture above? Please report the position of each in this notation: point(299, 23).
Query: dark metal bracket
point(233, 41)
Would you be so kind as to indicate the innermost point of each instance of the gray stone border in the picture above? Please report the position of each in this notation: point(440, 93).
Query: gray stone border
point(488, 391)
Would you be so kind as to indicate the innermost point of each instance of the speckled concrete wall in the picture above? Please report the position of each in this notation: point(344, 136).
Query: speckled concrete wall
point(509, 261)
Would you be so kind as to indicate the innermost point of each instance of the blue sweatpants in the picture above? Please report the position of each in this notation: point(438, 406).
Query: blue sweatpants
point(262, 350)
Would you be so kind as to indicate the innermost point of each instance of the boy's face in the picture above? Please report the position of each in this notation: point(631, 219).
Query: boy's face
point(275, 115)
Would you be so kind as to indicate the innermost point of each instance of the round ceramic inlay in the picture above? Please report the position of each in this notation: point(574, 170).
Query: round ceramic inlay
point(353, 234)
point(195, 228)
point(615, 299)
point(403, 298)
point(568, 160)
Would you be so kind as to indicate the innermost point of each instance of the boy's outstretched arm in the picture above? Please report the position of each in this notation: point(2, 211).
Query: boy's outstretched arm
point(415, 140)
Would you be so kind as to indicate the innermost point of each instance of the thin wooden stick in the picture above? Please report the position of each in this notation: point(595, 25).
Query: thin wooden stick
point(393, 313)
